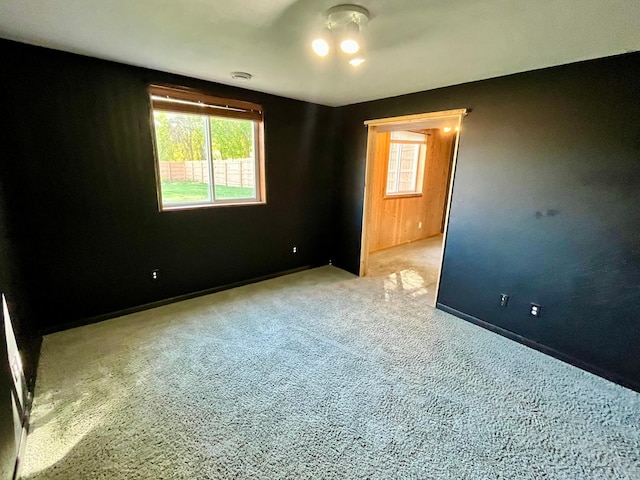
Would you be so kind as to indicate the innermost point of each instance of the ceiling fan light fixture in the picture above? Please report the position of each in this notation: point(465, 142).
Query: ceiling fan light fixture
point(343, 23)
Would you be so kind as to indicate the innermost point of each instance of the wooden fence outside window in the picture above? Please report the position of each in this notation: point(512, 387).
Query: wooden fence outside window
point(233, 173)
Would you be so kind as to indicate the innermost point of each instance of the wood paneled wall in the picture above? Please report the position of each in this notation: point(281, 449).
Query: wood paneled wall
point(436, 182)
point(396, 220)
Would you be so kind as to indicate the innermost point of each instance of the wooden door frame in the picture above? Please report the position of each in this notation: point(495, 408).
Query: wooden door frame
point(373, 126)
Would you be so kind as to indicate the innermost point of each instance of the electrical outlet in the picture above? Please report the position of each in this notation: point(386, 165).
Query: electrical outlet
point(155, 274)
point(535, 310)
point(504, 299)
point(295, 249)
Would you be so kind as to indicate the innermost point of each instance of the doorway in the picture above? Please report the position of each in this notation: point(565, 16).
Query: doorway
point(409, 171)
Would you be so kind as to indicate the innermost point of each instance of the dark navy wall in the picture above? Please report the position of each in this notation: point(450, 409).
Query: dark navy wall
point(77, 160)
point(545, 206)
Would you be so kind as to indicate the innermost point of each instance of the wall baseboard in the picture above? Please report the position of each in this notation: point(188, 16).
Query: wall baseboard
point(167, 301)
point(612, 377)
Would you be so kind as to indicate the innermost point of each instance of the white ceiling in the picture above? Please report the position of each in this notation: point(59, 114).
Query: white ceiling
point(411, 45)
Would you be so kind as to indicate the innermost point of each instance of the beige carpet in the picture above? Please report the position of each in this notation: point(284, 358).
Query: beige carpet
point(319, 375)
point(416, 265)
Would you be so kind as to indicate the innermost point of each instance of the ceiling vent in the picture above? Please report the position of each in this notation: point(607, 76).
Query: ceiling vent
point(242, 76)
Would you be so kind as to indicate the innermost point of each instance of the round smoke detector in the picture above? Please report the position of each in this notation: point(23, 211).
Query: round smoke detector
point(243, 76)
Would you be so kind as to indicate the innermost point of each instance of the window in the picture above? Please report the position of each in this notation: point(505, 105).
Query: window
point(405, 167)
point(209, 150)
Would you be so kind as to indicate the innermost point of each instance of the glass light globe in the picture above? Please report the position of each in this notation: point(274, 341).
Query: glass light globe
point(320, 47)
point(349, 46)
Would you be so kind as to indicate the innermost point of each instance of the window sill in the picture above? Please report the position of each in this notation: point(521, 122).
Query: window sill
point(395, 196)
point(174, 208)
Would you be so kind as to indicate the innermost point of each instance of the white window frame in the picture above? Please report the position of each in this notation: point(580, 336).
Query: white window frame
point(417, 171)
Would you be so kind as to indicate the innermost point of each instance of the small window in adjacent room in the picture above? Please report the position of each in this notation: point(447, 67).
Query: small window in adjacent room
point(405, 167)
point(209, 150)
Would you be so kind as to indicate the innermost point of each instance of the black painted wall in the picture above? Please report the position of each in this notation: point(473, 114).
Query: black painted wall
point(545, 206)
point(77, 160)
point(12, 286)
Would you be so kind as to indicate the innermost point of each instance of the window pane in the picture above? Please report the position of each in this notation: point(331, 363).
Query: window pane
point(233, 156)
point(392, 170)
point(183, 167)
point(409, 168)
point(208, 149)
point(405, 135)
point(402, 172)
